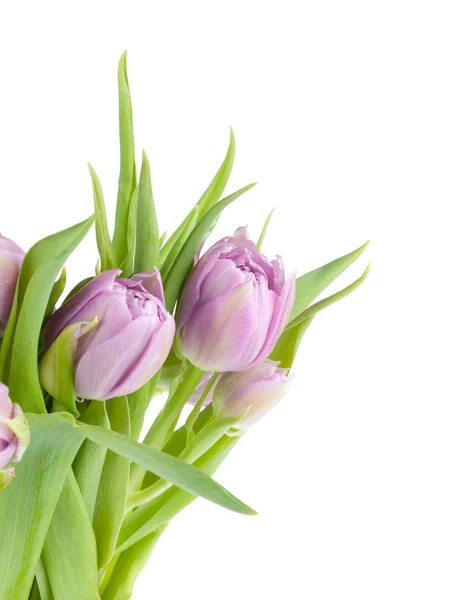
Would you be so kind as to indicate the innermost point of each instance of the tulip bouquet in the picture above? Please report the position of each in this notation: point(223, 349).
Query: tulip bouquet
point(83, 502)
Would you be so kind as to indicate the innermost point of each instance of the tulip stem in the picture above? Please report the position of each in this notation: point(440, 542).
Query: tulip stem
point(197, 408)
point(163, 426)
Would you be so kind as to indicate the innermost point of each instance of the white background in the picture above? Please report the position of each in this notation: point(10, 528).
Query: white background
point(357, 119)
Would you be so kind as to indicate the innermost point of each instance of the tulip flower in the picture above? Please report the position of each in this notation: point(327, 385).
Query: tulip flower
point(11, 258)
point(234, 306)
point(123, 337)
point(14, 436)
point(250, 394)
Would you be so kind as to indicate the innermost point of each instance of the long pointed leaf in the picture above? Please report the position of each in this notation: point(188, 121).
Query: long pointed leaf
point(28, 503)
point(148, 239)
point(40, 268)
point(127, 177)
point(174, 280)
point(178, 472)
point(312, 284)
point(104, 244)
point(289, 342)
point(72, 573)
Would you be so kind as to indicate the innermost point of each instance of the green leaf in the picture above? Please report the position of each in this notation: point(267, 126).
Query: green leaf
point(127, 265)
point(129, 567)
point(174, 280)
point(44, 588)
point(69, 553)
point(148, 518)
point(58, 289)
point(127, 177)
point(312, 284)
point(37, 276)
point(172, 469)
point(28, 504)
point(56, 370)
point(288, 343)
point(148, 239)
point(210, 197)
point(170, 259)
point(90, 459)
point(112, 494)
point(104, 244)
point(138, 403)
point(264, 230)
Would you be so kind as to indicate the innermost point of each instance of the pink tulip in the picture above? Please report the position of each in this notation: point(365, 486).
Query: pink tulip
point(252, 393)
point(14, 435)
point(131, 340)
point(11, 258)
point(234, 306)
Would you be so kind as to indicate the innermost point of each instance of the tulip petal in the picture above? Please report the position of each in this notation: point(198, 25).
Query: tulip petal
point(191, 296)
point(99, 369)
point(216, 335)
point(150, 361)
point(68, 312)
point(152, 283)
point(283, 308)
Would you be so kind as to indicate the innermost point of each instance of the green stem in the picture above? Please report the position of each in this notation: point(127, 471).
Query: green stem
point(166, 421)
point(197, 408)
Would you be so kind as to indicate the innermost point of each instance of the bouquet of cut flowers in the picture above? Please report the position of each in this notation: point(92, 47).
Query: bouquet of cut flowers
point(83, 502)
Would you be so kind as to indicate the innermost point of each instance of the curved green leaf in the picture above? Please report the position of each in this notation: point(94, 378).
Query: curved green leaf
point(37, 277)
point(177, 274)
point(288, 343)
point(210, 197)
point(312, 284)
point(28, 504)
point(172, 469)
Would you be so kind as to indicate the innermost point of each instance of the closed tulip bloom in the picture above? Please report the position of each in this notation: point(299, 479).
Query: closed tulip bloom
point(130, 342)
point(11, 257)
point(234, 306)
point(14, 435)
point(252, 393)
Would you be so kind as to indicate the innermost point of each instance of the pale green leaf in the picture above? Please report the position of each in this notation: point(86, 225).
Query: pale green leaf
point(288, 343)
point(112, 494)
point(37, 277)
point(127, 177)
point(312, 284)
point(28, 503)
point(178, 272)
point(69, 553)
point(104, 244)
point(148, 239)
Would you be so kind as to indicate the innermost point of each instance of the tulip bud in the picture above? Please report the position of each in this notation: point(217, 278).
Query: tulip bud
point(250, 394)
point(14, 436)
point(234, 306)
point(11, 257)
point(127, 346)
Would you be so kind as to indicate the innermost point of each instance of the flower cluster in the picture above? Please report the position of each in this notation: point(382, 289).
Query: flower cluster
point(218, 332)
